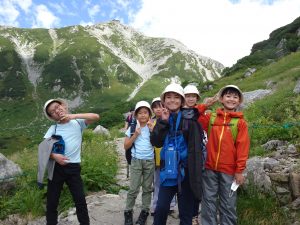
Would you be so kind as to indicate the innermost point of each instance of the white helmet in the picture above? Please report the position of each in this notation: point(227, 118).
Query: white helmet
point(61, 101)
point(231, 86)
point(172, 88)
point(157, 99)
point(142, 104)
point(191, 89)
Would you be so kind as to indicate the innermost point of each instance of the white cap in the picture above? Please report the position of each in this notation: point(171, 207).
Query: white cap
point(172, 88)
point(234, 87)
point(61, 101)
point(191, 89)
point(142, 104)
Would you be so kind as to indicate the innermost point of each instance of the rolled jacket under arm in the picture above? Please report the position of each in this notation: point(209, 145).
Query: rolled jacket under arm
point(44, 161)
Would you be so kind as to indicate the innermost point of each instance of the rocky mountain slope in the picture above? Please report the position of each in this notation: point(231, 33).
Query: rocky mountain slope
point(77, 62)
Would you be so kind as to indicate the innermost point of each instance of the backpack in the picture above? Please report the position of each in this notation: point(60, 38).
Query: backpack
point(59, 146)
point(173, 155)
point(128, 151)
point(233, 125)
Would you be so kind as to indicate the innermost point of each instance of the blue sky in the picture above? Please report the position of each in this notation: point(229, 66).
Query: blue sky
point(224, 30)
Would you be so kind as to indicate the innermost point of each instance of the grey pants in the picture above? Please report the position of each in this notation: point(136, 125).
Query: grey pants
point(217, 195)
point(141, 174)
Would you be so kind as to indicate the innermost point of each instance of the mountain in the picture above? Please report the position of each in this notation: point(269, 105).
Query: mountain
point(281, 42)
point(96, 67)
point(76, 61)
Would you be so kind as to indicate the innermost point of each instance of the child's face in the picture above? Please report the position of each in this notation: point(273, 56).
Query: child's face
point(157, 111)
point(143, 115)
point(230, 101)
point(190, 100)
point(56, 111)
point(173, 101)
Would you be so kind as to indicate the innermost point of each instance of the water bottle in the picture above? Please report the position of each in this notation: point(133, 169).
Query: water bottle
point(171, 165)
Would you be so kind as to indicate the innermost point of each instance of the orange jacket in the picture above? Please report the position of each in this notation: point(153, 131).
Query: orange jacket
point(223, 154)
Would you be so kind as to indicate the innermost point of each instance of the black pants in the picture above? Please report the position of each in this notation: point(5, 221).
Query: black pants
point(70, 174)
point(186, 201)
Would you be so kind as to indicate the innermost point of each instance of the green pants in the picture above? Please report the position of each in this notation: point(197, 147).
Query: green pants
point(141, 174)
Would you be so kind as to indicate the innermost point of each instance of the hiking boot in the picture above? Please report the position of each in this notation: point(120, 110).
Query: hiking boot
point(195, 220)
point(142, 218)
point(128, 217)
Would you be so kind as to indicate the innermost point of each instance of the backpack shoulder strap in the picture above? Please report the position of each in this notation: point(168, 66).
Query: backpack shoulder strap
point(132, 130)
point(132, 127)
point(79, 125)
point(55, 128)
point(212, 119)
point(233, 127)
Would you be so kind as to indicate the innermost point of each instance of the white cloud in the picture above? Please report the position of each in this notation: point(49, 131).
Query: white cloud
point(62, 9)
point(93, 11)
point(215, 28)
point(44, 17)
point(23, 4)
point(83, 23)
point(59, 8)
point(123, 3)
point(87, 2)
point(8, 13)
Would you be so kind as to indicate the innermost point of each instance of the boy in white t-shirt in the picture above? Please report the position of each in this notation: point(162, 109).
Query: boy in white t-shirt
point(67, 165)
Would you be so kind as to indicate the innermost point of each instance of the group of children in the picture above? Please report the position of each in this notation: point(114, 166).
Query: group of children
point(202, 171)
point(210, 156)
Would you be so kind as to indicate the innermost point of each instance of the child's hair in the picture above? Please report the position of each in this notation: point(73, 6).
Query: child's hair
point(156, 104)
point(231, 90)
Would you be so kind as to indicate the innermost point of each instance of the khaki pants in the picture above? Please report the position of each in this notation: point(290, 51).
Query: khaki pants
point(141, 174)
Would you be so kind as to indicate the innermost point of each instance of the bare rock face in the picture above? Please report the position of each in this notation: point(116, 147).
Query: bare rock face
point(101, 130)
point(8, 171)
point(257, 175)
point(297, 87)
point(249, 72)
point(295, 184)
point(278, 174)
point(251, 96)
